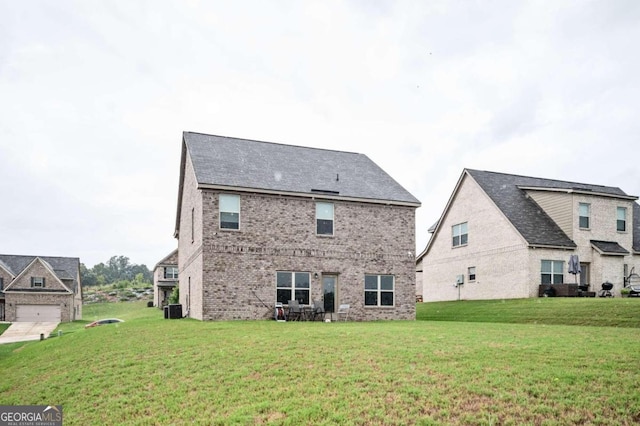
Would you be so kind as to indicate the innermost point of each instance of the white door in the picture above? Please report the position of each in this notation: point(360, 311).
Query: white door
point(38, 313)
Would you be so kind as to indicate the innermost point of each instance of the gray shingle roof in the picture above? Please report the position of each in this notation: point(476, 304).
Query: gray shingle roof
point(66, 268)
point(248, 164)
point(609, 247)
point(527, 217)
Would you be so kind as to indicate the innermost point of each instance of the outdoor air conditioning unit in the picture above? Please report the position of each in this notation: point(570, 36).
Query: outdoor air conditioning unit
point(175, 311)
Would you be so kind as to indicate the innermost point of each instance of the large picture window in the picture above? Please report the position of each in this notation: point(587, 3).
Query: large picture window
point(378, 290)
point(584, 214)
point(324, 218)
point(621, 223)
point(229, 211)
point(460, 235)
point(292, 286)
point(552, 272)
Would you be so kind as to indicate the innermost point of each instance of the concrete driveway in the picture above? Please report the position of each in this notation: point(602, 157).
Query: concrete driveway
point(25, 331)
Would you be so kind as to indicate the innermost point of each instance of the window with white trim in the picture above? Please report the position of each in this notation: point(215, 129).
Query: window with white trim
point(584, 215)
point(229, 211)
point(552, 272)
point(171, 272)
point(621, 222)
point(460, 234)
point(379, 290)
point(37, 282)
point(324, 218)
point(472, 273)
point(292, 286)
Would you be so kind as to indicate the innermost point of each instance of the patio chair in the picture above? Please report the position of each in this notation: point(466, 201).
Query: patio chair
point(318, 310)
point(294, 312)
point(344, 311)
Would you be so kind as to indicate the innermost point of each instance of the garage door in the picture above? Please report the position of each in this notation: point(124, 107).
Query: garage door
point(38, 313)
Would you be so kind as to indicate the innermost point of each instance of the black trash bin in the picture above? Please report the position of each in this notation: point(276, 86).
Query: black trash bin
point(166, 311)
point(175, 311)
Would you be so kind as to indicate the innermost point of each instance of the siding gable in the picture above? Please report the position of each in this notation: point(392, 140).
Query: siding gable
point(559, 207)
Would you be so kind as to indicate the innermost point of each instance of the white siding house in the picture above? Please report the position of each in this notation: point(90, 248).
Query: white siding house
point(511, 236)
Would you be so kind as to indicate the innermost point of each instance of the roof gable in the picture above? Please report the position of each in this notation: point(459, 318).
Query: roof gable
point(59, 285)
point(263, 166)
point(63, 268)
point(170, 259)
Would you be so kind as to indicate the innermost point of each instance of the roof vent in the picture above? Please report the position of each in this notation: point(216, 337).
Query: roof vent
point(325, 191)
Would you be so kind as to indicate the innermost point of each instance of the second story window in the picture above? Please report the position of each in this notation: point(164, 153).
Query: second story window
point(584, 214)
point(621, 223)
point(324, 218)
point(171, 272)
point(37, 282)
point(1, 283)
point(460, 235)
point(229, 211)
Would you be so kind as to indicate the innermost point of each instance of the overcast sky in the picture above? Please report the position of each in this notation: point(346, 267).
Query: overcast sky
point(95, 95)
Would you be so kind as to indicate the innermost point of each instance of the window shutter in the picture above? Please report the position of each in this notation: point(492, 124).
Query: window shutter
point(1, 283)
point(32, 281)
point(42, 282)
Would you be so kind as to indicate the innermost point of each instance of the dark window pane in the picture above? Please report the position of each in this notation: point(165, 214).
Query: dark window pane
point(584, 222)
point(324, 227)
point(456, 241)
point(622, 225)
point(463, 239)
point(229, 220)
point(283, 296)
point(546, 278)
point(371, 298)
point(558, 279)
point(302, 296)
point(302, 280)
point(386, 298)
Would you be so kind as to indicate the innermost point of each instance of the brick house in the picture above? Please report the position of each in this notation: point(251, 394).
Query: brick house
point(506, 236)
point(165, 278)
point(40, 289)
point(260, 223)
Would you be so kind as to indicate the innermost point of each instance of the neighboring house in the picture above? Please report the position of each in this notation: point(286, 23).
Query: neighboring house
point(506, 236)
point(165, 278)
point(262, 223)
point(40, 288)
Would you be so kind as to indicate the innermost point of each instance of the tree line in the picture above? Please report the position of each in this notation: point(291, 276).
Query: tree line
point(118, 269)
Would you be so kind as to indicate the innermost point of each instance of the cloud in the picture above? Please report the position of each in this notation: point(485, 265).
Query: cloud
point(96, 97)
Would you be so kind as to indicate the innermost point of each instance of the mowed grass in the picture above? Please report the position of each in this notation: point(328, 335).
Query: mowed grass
point(151, 371)
point(609, 312)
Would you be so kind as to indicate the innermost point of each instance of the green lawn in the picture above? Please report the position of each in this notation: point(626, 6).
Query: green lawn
point(154, 371)
point(611, 312)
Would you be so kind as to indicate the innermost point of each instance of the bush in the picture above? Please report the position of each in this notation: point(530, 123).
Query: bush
point(175, 296)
